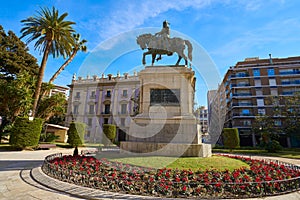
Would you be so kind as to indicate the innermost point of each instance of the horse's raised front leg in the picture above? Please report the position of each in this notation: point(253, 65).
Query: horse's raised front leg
point(144, 57)
point(159, 57)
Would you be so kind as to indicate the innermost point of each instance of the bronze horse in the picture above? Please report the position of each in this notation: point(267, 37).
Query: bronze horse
point(156, 46)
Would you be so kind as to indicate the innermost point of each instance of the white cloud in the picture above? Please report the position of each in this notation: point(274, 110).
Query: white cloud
point(127, 16)
point(278, 31)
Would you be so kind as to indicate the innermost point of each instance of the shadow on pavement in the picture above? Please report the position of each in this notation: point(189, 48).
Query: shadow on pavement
point(11, 165)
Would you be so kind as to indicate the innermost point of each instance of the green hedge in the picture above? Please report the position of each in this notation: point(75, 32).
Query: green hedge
point(109, 131)
point(26, 133)
point(231, 138)
point(76, 134)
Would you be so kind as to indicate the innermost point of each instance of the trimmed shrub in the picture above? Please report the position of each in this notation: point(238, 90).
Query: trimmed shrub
point(25, 133)
point(109, 131)
point(48, 137)
point(76, 134)
point(231, 138)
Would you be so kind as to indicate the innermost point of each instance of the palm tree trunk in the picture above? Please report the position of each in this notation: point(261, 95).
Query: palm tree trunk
point(40, 78)
point(63, 66)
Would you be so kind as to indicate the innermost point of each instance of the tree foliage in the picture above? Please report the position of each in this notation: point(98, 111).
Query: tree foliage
point(18, 72)
point(286, 110)
point(291, 112)
point(14, 57)
point(52, 35)
point(109, 131)
point(231, 138)
point(76, 134)
point(79, 45)
point(26, 133)
point(16, 95)
point(51, 106)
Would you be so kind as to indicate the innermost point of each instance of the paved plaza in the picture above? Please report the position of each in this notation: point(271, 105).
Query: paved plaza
point(21, 178)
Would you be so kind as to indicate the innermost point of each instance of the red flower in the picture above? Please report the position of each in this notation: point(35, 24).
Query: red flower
point(218, 184)
point(242, 187)
point(184, 188)
point(184, 179)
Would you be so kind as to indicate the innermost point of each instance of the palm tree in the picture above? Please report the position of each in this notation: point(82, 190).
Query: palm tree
point(53, 35)
point(79, 46)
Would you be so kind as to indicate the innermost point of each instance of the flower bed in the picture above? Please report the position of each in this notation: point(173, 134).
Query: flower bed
point(264, 178)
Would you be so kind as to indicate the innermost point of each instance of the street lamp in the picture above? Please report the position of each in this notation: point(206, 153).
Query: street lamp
point(260, 131)
point(30, 115)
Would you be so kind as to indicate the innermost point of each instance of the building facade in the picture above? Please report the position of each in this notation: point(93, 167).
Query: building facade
point(59, 89)
point(249, 85)
point(103, 100)
point(202, 116)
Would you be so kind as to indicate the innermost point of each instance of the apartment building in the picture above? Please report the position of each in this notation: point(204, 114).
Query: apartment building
point(103, 100)
point(59, 89)
point(202, 116)
point(248, 87)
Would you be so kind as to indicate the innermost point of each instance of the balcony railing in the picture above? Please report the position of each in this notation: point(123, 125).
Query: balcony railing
point(289, 72)
point(242, 114)
point(106, 113)
point(296, 82)
point(239, 85)
point(288, 93)
point(242, 104)
point(239, 75)
point(242, 94)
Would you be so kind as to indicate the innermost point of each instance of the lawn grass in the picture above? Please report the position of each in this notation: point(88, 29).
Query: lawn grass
point(219, 163)
point(286, 153)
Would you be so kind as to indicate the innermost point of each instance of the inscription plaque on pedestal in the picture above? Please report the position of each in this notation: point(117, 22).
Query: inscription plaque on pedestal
point(165, 97)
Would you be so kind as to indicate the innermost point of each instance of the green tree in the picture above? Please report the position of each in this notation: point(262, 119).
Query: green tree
point(79, 45)
point(54, 105)
point(109, 131)
point(76, 134)
point(18, 72)
point(53, 35)
point(14, 57)
point(291, 113)
point(231, 138)
point(16, 95)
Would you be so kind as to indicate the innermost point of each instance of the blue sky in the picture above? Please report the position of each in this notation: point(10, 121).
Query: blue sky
point(223, 32)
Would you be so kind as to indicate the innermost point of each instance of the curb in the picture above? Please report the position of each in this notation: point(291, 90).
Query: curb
point(79, 191)
point(94, 194)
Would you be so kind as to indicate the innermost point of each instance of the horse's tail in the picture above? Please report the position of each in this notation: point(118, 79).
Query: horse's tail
point(190, 49)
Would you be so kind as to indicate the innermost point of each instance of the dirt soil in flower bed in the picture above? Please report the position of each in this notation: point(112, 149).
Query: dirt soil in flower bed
point(261, 179)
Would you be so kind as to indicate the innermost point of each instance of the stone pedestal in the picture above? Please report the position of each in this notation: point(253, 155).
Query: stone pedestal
point(165, 124)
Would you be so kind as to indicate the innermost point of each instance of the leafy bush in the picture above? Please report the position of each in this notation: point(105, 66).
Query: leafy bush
point(231, 138)
point(76, 134)
point(109, 131)
point(270, 144)
point(273, 146)
point(25, 133)
point(48, 137)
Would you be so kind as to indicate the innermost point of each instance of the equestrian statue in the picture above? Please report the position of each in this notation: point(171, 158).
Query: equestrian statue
point(161, 44)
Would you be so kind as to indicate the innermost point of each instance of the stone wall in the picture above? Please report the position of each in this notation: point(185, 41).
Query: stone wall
point(166, 149)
